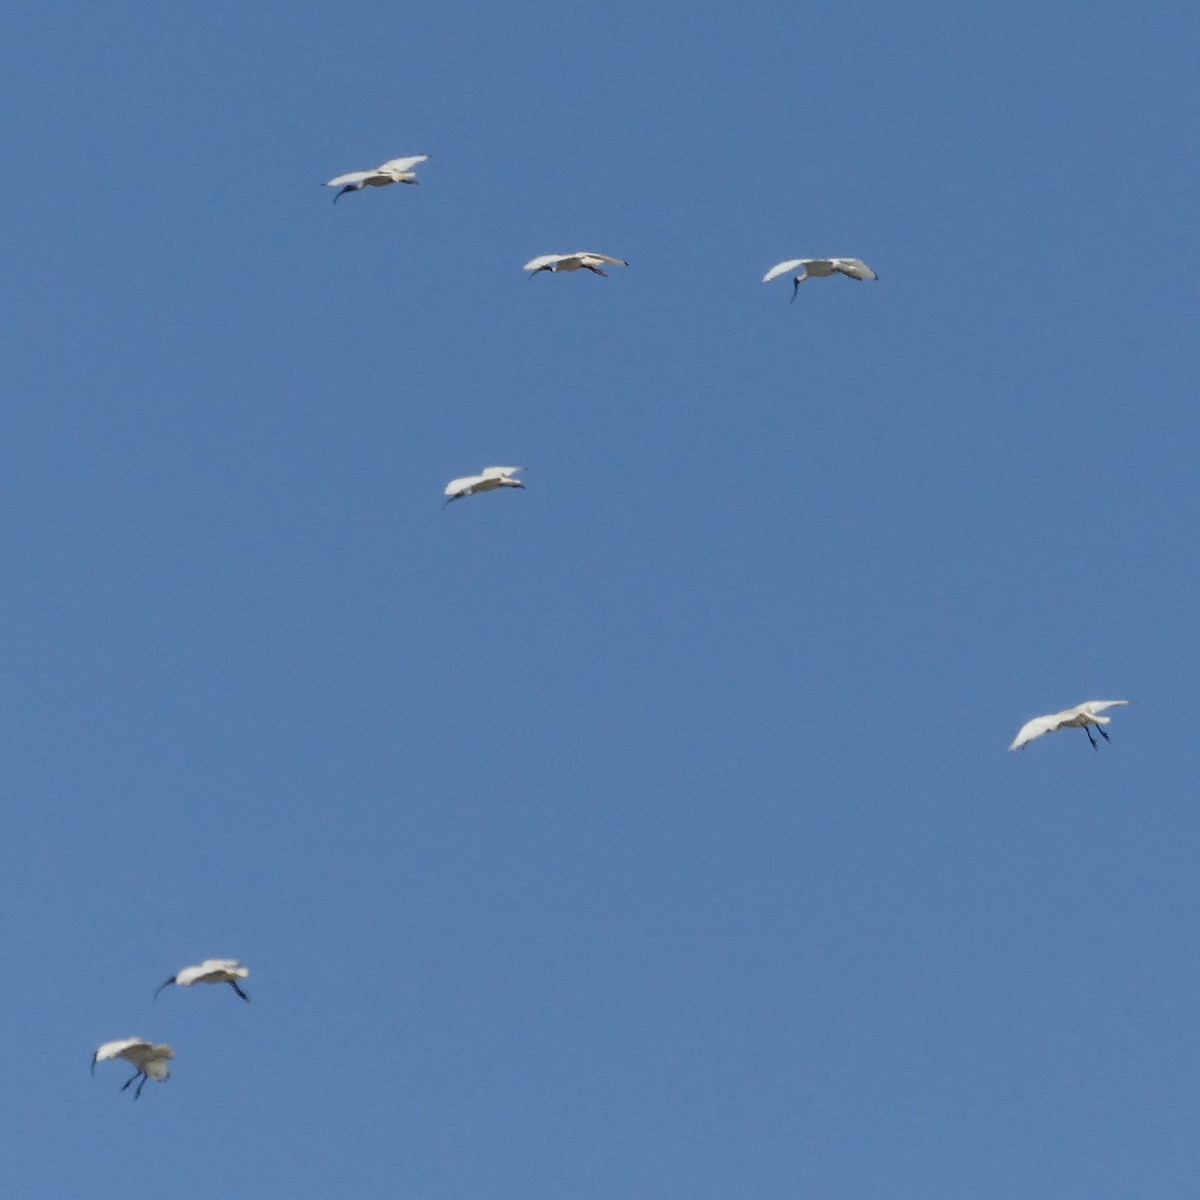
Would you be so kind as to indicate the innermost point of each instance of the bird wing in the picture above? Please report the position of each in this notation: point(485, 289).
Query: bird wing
point(543, 260)
point(119, 1049)
point(784, 267)
point(499, 472)
point(400, 165)
point(854, 267)
point(1092, 707)
point(349, 177)
point(1035, 729)
point(604, 258)
point(460, 485)
point(210, 970)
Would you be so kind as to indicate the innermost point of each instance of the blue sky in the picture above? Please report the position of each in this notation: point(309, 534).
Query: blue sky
point(650, 832)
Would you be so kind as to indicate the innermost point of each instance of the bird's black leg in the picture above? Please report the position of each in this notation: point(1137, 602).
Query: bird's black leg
point(130, 1080)
point(140, 1086)
point(239, 991)
point(1100, 731)
point(1095, 744)
point(597, 271)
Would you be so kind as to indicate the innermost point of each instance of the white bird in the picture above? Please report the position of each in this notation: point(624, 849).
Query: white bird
point(487, 480)
point(816, 268)
point(395, 170)
point(586, 259)
point(149, 1059)
point(1079, 717)
point(211, 970)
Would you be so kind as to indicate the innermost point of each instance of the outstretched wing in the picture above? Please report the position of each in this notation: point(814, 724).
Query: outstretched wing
point(400, 165)
point(1092, 707)
point(118, 1049)
point(594, 257)
point(543, 260)
point(350, 177)
point(455, 486)
point(499, 472)
point(784, 267)
point(222, 964)
point(854, 267)
point(1035, 729)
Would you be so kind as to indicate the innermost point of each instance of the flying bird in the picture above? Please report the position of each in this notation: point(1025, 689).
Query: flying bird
point(817, 268)
point(149, 1059)
point(212, 970)
point(488, 480)
point(1079, 717)
point(395, 170)
point(572, 262)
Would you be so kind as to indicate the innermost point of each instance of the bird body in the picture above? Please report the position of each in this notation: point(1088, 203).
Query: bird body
point(211, 970)
point(149, 1058)
point(1079, 717)
point(395, 170)
point(488, 480)
point(817, 268)
point(585, 259)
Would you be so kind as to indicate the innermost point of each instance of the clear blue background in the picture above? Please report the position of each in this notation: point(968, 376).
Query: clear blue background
point(648, 833)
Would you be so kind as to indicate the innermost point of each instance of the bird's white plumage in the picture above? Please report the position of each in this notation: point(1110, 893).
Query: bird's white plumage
point(818, 268)
point(1082, 715)
point(395, 170)
point(121, 1048)
point(487, 480)
point(212, 970)
point(542, 260)
point(148, 1060)
point(587, 259)
point(782, 269)
point(142, 1054)
point(400, 166)
point(349, 177)
point(157, 1068)
point(462, 487)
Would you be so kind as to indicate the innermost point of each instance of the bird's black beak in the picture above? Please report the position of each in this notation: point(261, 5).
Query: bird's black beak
point(164, 985)
point(93, 1064)
point(795, 290)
